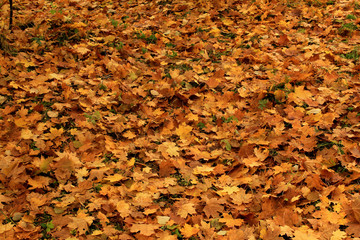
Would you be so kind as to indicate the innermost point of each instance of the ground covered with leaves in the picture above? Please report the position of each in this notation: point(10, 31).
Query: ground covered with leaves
point(174, 119)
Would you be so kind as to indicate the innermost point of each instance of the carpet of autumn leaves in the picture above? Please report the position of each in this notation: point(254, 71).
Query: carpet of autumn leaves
point(174, 119)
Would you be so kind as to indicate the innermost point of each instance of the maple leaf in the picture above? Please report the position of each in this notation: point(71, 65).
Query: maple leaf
point(184, 131)
point(66, 201)
point(300, 95)
point(188, 230)
point(353, 211)
point(129, 135)
point(228, 190)
point(213, 207)
point(123, 208)
point(353, 229)
point(163, 88)
point(230, 221)
point(186, 209)
point(338, 235)
point(203, 170)
point(27, 134)
point(300, 235)
point(38, 182)
point(81, 222)
point(169, 148)
point(115, 178)
point(166, 168)
point(36, 200)
point(82, 50)
point(240, 197)
point(355, 151)
point(144, 229)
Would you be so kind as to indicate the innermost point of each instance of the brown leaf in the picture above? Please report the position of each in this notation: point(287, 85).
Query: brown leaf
point(213, 207)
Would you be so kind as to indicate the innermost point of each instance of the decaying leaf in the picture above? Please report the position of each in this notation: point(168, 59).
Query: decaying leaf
point(174, 119)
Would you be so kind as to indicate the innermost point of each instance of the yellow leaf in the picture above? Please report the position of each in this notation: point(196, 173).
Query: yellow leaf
point(228, 190)
point(184, 131)
point(115, 178)
point(26, 134)
point(169, 148)
point(20, 122)
point(300, 235)
point(78, 24)
point(97, 232)
point(56, 76)
point(228, 22)
point(338, 235)
point(203, 170)
point(109, 38)
point(129, 135)
point(131, 162)
point(162, 219)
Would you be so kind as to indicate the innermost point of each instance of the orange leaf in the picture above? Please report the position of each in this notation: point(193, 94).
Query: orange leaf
point(189, 230)
point(186, 209)
point(145, 229)
point(81, 222)
point(123, 208)
point(184, 131)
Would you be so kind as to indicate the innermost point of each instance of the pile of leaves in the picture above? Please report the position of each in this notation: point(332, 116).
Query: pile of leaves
point(175, 119)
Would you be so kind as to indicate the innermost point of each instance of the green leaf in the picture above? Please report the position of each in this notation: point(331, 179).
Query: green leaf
point(49, 226)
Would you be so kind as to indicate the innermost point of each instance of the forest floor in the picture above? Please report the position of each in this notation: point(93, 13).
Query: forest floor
point(174, 119)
